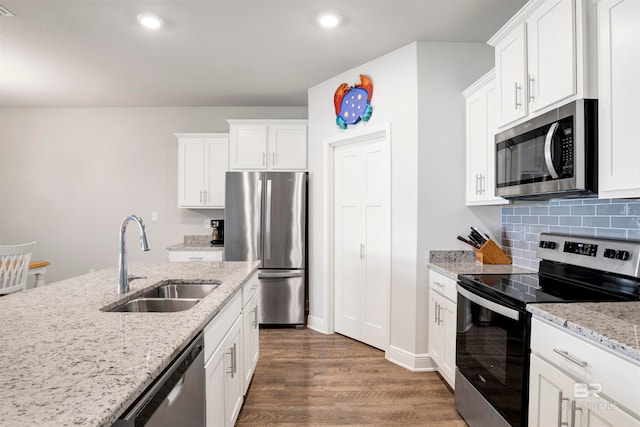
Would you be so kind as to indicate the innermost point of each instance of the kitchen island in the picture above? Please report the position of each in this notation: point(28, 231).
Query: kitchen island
point(65, 360)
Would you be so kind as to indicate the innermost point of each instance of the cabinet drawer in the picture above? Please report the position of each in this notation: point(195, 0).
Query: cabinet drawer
point(218, 327)
point(249, 289)
point(444, 285)
point(182, 256)
point(611, 376)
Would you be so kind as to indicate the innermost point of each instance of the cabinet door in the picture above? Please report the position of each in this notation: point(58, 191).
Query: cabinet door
point(550, 395)
point(234, 391)
point(619, 92)
point(481, 102)
point(362, 242)
point(477, 147)
point(224, 380)
point(248, 147)
point(287, 147)
point(436, 329)
point(217, 164)
point(448, 316)
point(215, 388)
point(551, 53)
point(191, 167)
point(250, 340)
point(510, 73)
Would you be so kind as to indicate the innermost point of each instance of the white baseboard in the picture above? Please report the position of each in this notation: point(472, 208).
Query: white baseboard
point(411, 361)
point(318, 325)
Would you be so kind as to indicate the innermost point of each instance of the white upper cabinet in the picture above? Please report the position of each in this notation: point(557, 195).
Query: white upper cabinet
point(545, 57)
point(480, 131)
point(619, 92)
point(202, 163)
point(267, 144)
point(551, 54)
point(511, 71)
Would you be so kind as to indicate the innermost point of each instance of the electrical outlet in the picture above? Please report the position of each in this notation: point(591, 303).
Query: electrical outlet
point(207, 223)
point(154, 216)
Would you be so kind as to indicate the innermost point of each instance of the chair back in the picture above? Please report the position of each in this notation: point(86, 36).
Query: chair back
point(14, 267)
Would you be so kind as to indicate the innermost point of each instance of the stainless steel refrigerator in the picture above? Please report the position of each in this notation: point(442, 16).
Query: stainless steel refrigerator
point(266, 220)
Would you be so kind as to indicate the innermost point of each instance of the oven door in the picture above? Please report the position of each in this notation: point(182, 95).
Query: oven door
point(492, 343)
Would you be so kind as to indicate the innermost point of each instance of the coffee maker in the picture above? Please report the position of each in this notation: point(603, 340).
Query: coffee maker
point(217, 231)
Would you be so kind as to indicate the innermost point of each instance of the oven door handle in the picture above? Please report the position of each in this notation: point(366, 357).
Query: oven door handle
point(548, 157)
point(489, 305)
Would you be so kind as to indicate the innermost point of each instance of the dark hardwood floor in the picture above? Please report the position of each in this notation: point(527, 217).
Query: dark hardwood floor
point(305, 378)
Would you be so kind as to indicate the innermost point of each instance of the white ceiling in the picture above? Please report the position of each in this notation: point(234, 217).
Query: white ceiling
point(92, 53)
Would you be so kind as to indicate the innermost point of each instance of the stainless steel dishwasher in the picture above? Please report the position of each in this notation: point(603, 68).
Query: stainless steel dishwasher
point(177, 397)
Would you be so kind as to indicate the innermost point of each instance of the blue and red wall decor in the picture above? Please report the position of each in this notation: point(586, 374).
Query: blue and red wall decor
point(353, 103)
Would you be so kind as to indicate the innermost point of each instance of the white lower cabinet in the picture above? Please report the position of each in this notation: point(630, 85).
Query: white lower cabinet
point(223, 360)
point(576, 383)
point(250, 331)
point(442, 324)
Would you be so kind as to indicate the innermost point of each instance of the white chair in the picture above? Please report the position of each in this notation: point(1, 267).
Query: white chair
point(14, 267)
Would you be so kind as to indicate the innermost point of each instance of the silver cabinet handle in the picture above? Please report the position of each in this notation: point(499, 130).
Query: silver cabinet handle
point(264, 159)
point(206, 196)
point(279, 274)
point(548, 159)
point(477, 188)
point(255, 317)
point(257, 242)
point(571, 358)
point(200, 196)
point(531, 97)
point(561, 400)
point(195, 257)
point(483, 181)
point(361, 251)
point(574, 409)
point(274, 158)
point(230, 353)
point(517, 89)
point(438, 284)
point(233, 369)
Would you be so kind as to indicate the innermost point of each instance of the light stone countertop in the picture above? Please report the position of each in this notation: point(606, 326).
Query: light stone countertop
point(453, 263)
point(613, 325)
point(65, 362)
point(196, 243)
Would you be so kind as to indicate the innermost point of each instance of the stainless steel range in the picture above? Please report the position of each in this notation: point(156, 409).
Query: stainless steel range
point(493, 326)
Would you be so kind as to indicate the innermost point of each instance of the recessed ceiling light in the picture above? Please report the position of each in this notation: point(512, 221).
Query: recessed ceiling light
point(148, 20)
point(328, 20)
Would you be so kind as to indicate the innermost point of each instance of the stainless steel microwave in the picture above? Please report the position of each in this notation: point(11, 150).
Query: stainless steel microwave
point(554, 155)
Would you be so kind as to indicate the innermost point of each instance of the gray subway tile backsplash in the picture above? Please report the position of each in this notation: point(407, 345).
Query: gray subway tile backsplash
point(522, 225)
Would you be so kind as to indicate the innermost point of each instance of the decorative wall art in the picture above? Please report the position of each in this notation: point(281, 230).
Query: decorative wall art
point(353, 103)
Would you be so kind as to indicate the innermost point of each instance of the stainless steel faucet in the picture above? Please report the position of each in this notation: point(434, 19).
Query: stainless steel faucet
point(123, 277)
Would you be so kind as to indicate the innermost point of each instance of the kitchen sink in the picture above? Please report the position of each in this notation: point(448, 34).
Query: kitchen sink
point(181, 290)
point(158, 305)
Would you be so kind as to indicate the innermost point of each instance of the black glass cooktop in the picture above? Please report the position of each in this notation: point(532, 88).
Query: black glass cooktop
point(522, 289)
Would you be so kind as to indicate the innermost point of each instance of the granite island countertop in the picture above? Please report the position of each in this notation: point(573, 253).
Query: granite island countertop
point(613, 325)
point(64, 361)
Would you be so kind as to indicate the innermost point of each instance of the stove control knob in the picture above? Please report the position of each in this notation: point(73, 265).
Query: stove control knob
point(609, 253)
point(546, 244)
point(622, 255)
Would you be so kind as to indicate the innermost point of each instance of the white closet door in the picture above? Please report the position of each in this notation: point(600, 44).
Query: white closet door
point(362, 242)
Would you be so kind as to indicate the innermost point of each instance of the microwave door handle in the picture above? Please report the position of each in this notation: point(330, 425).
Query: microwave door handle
point(489, 305)
point(548, 159)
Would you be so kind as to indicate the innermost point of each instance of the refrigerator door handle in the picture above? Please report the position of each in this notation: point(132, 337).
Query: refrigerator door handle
point(258, 225)
point(279, 274)
point(267, 223)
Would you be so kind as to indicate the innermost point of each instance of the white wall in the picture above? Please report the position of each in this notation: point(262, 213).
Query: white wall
point(68, 177)
point(418, 90)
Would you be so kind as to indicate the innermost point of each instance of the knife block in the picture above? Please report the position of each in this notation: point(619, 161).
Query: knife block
point(490, 253)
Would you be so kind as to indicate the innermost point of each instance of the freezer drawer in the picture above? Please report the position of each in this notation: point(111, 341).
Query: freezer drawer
point(281, 297)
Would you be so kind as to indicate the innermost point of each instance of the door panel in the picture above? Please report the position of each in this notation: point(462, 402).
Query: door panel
point(243, 207)
point(281, 297)
point(285, 195)
point(362, 241)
